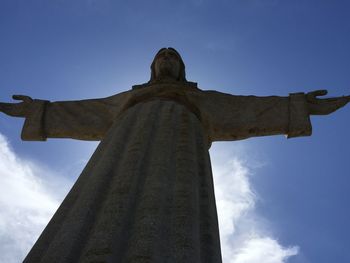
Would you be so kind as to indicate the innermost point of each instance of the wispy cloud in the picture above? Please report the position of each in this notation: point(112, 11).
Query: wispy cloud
point(27, 202)
point(262, 250)
point(244, 236)
point(28, 199)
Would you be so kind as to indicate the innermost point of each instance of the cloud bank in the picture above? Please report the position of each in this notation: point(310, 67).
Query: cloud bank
point(27, 202)
point(244, 238)
point(29, 196)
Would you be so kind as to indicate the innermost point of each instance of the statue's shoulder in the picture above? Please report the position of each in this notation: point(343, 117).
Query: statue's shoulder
point(212, 94)
point(117, 98)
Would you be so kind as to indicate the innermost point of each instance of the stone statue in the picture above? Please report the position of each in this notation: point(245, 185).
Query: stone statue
point(146, 195)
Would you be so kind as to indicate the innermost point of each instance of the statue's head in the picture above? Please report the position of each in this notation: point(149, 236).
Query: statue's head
point(168, 65)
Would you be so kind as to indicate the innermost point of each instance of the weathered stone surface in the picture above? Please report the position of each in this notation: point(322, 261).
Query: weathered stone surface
point(147, 193)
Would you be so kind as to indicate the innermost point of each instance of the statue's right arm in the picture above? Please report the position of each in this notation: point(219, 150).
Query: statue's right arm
point(231, 117)
point(84, 119)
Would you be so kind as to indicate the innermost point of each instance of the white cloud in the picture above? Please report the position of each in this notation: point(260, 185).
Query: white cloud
point(243, 234)
point(264, 250)
point(29, 196)
point(27, 202)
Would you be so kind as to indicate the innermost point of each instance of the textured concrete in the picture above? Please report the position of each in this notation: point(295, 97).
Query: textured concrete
point(147, 193)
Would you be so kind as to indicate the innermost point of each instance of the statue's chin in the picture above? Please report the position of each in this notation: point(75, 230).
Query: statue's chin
point(166, 78)
point(166, 74)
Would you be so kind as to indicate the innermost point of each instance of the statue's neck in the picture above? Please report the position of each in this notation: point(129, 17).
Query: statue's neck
point(166, 82)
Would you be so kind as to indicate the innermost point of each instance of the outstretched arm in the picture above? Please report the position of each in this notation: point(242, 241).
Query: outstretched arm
point(84, 119)
point(230, 117)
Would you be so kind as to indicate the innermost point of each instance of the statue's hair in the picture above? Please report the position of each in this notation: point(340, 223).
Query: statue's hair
point(181, 78)
point(182, 74)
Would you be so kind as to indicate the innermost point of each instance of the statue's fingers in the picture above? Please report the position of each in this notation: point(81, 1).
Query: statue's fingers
point(17, 97)
point(22, 97)
point(6, 108)
point(336, 100)
point(346, 98)
point(340, 102)
point(321, 92)
point(311, 96)
point(3, 105)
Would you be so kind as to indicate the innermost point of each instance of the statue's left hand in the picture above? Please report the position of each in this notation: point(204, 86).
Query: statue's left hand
point(17, 109)
point(324, 106)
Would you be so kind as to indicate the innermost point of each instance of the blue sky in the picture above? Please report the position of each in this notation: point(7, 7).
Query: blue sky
point(292, 194)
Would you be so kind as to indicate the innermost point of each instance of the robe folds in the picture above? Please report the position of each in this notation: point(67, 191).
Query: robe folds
point(146, 194)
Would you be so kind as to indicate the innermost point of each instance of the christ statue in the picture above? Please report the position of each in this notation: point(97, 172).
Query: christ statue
point(146, 195)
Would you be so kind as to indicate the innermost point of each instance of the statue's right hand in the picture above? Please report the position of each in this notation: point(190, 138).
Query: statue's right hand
point(17, 109)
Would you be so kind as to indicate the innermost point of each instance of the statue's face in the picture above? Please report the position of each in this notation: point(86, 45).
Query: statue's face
point(167, 65)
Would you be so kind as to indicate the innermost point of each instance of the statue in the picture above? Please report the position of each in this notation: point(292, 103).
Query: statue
point(146, 194)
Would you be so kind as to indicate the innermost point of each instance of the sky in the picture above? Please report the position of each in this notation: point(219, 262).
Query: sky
point(279, 200)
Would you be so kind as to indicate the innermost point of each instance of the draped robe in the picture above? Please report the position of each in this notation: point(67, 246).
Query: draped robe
point(146, 194)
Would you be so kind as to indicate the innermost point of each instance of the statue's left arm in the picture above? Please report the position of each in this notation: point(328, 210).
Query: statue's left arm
point(84, 119)
point(230, 117)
